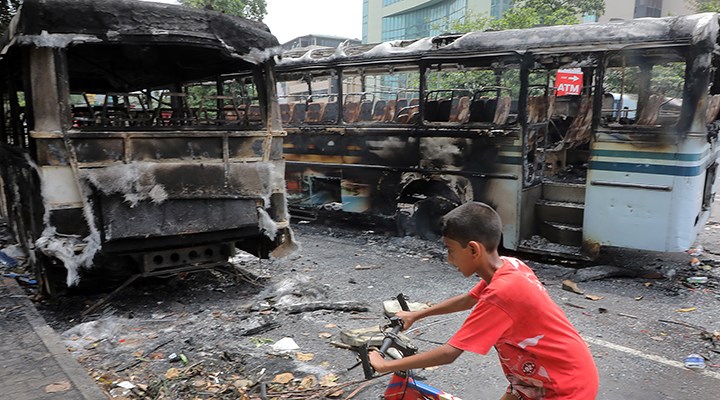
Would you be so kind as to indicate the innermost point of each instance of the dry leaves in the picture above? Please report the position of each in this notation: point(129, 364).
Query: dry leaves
point(329, 380)
point(300, 356)
point(571, 286)
point(57, 387)
point(309, 382)
point(283, 378)
point(172, 373)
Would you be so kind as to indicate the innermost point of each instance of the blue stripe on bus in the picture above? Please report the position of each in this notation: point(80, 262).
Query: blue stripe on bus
point(655, 169)
point(648, 155)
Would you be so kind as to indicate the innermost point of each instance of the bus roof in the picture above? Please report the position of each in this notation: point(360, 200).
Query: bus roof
point(616, 35)
point(144, 44)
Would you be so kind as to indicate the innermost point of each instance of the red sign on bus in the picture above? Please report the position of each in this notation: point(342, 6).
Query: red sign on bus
point(568, 83)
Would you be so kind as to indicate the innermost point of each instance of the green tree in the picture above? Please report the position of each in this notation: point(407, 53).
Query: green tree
point(8, 8)
point(530, 13)
point(251, 9)
point(705, 5)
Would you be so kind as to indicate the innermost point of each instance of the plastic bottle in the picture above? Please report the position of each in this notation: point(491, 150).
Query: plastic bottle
point(695, 361)
point(697, 279)
point(7, 260)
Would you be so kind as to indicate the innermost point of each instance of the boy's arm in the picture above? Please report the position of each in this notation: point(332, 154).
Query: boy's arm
point(461, 302)
point(441, 355)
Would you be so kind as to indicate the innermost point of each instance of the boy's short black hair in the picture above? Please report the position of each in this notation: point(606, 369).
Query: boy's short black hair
point(473, 221)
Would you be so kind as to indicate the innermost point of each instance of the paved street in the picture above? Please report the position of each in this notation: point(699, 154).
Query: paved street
point(637, 331)
point(35, 365)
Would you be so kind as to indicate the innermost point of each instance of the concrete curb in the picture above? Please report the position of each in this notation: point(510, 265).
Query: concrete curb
point(74, 371)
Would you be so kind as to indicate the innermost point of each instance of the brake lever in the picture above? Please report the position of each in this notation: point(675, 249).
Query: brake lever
point(364, 357)
point(402, 301)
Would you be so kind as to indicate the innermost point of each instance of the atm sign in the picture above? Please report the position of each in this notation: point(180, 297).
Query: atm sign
point(568, 83)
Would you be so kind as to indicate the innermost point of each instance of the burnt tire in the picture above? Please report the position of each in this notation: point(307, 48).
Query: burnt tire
point(428, 215)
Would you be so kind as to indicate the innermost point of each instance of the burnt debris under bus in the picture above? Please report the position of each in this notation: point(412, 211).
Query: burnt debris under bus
point(580, 136)
point(124, 146)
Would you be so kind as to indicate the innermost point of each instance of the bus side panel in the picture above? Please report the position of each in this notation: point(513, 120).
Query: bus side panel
point(371, 173)
point(504, 196)
point(174, 217)
point(501, 189)
point(690, 211)
point(645, 197)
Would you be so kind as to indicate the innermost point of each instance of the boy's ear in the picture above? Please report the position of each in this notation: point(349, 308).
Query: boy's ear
point(476, 248)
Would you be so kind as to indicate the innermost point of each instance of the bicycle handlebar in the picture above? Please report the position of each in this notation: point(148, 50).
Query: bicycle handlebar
point(397, 325)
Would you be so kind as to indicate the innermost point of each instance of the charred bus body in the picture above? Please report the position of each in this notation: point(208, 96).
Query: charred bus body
point(106, 158)
point(580, 136)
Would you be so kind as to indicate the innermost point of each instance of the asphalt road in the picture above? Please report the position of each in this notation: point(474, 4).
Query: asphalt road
point(639, 341)
point(638, 357)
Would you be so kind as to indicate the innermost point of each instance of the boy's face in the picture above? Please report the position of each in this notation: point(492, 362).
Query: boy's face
point(463, 258)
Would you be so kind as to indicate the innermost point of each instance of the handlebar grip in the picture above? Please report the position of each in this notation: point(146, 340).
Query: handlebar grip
point(388, 341)
point(403, 303)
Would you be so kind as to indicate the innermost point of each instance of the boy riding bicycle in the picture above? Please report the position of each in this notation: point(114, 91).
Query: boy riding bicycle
point(541, 353)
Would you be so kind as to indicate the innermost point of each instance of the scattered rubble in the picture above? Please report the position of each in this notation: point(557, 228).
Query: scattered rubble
point(225, 326)
point(571, 286)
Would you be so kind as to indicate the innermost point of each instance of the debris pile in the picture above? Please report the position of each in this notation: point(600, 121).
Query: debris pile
point(227, 351)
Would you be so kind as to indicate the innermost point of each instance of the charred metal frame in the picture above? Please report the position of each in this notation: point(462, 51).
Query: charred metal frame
point(138, 193)
point(344, 150)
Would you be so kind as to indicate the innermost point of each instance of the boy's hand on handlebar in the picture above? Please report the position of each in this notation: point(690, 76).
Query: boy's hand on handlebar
point(377, 361)
point(407, 317)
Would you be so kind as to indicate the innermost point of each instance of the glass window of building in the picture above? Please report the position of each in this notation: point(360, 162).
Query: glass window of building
point(426, 21)
point(365, 21)
point(498, 7)
point(648, 8)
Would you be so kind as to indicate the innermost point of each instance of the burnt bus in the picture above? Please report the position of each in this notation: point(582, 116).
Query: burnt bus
point(124, 146)
point(581, 137)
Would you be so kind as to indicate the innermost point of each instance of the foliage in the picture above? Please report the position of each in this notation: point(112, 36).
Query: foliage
point(667, 79)
point(8, 8)
point(471, 22)
point(623, 80)
point(252, 9)
point(705, 5)
point(484, 81)
point(530, 13)
point(203, 95)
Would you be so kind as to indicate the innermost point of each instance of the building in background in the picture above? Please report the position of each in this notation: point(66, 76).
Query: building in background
point(411, 19)
point(645, 8)
point(317, 40)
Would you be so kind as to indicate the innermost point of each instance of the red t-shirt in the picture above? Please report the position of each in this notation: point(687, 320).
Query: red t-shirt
point(542, 354)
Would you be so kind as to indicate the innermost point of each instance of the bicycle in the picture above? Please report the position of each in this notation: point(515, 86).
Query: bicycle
point(403, 385)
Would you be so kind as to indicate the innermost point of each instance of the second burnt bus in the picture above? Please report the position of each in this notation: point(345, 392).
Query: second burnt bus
point(579, 136)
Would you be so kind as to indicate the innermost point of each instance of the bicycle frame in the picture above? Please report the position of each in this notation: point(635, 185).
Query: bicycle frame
point(404, 387)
